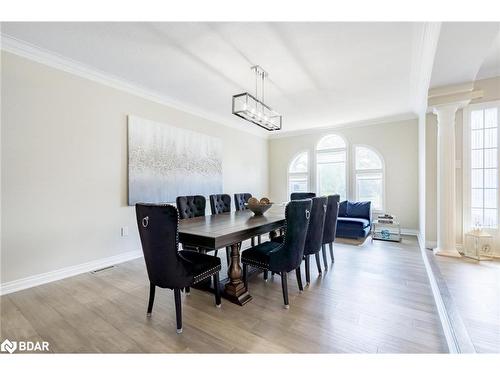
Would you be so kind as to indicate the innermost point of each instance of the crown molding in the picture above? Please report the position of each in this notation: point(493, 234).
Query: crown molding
point(56, 61)
point(451, 89)
point(371, 122)
point(425, 43)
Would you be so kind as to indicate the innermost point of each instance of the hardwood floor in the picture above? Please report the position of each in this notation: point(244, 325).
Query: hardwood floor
point(475, 289)
point(376, 298)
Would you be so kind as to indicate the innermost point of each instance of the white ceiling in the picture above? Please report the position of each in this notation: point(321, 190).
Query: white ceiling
point(321, 74)
point(491, 65)
point(461, 50)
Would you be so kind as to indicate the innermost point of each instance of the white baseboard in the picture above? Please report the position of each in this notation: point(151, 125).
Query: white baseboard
point(410, 232)
point(47, 277)
point(430, 244)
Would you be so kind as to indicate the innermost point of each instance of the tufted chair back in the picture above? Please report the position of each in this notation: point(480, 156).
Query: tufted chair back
point(316, 224)
point(158, 229)
point(220, 203)
point(191, 206)
point(289, 254)
point(332, 212)
point(297, 196)
point(240, 199)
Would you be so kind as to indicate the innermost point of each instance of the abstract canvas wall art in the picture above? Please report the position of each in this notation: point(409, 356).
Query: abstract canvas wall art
point(166, 161)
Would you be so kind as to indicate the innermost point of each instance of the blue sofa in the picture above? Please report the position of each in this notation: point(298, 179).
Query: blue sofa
point(354, 220)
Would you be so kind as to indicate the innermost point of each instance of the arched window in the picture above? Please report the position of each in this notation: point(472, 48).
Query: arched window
point(298, 173)
point(331, 170)
point(369, 176)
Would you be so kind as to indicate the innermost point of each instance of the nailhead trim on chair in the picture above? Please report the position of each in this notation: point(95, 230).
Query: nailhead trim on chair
point(203, 275)
point(206, 274)
point(259, 265)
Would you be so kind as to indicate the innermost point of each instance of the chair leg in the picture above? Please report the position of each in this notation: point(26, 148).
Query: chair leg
point(217, 290)
point(178, 309)
point(331, 252)
point(284, 287)
point(259, 239)
point(252, 241)
point(151, 298)
point(228, 255)
point(216, 252)
point(325, 262)
point(245, 275)
point(299, 278)
point(187, 290)
point(308, 271)
point(318, 263)
point(266, 274)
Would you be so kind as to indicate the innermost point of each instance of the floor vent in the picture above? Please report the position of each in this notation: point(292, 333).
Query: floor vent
point(102, 269)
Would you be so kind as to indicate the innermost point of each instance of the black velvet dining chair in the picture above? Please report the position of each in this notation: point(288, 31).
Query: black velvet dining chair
point(220, 203)
point(297, 196)
point(330, 230)
point(166, 266)
point(239, 203)
point(314, 235)
point(240, 199)
point(282, 257)
point(190, 206)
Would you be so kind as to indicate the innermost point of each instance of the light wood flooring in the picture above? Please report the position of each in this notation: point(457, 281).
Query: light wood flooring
point(376, 298)
point(475, 289)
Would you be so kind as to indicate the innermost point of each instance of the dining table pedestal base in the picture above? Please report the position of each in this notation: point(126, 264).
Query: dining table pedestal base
point(235, 290)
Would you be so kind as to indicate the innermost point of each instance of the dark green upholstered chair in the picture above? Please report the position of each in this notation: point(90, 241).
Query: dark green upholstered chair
point(282, 257)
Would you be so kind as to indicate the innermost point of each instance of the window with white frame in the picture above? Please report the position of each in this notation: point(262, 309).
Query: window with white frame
point(331, 159)
point(369, 176)
point(298, 174)
point(483, 148)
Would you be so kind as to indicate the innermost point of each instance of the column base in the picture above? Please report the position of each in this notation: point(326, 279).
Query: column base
point(447, 252)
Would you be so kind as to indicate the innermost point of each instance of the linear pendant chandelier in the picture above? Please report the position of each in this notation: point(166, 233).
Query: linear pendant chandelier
point(249, 108)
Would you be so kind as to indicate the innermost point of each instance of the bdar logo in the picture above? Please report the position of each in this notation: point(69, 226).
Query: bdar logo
point(8, 346)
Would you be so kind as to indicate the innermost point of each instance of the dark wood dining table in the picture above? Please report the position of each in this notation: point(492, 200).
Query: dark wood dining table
point(215, 232)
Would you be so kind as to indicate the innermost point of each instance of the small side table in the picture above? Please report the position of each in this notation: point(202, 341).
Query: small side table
point(478, 245)
point(386, 231)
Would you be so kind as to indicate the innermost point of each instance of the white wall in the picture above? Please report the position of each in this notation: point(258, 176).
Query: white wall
point(396, 141)
point(64, 166)
point(491, 90)
point(421, 177)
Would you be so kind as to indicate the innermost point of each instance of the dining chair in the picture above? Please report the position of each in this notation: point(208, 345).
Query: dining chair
point(314, 235)
point(297, 196)
point(190, 206)
point(220, 203)
point(166, 266)
point(239, 203)
point(282, 257)
point(240, 199)
point(330, 230)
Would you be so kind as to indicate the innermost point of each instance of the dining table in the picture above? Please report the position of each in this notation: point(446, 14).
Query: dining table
point(213, 232)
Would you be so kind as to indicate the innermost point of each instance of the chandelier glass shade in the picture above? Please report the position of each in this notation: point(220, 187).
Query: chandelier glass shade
point(249, 108)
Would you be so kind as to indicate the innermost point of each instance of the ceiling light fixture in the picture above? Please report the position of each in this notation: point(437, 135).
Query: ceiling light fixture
point(249, 108)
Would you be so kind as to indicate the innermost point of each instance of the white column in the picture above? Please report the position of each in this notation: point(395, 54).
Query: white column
point(446, 189)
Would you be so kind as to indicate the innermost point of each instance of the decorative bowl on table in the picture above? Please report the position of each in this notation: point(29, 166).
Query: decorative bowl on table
point(258, 207)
